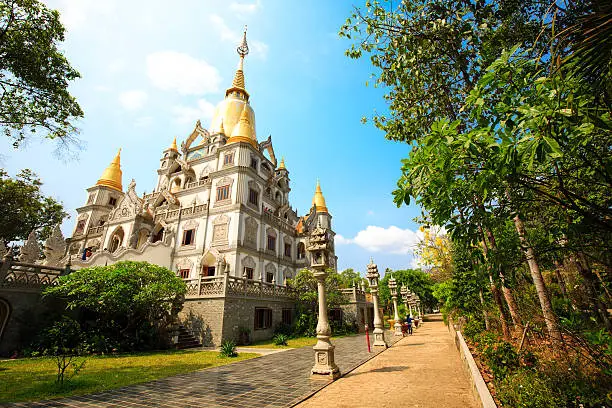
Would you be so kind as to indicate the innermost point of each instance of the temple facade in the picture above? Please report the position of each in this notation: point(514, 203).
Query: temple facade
point(219, 216)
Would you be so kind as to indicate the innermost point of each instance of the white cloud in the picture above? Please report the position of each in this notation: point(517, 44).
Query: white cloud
point(76, 13)
point(391, 240)
point(258, 48)
point(175, 71)
point(133, 100)
point(189, 114)
point(245, 8)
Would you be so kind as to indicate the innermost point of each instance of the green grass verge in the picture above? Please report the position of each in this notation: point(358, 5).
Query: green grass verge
point(292, 343)
point(33, 379)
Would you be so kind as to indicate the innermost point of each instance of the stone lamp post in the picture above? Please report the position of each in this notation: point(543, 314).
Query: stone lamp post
point(404, 292)
point(410, 301)
point(324, 367)
point(379, 333)
point(397, 326)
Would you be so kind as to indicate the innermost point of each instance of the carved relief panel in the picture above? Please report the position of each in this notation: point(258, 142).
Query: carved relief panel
point(250, 232)
point(220, 230)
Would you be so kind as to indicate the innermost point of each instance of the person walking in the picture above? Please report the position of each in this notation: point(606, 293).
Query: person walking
point(409, 323)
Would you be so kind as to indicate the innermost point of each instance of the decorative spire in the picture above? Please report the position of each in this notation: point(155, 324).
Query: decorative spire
point(281, 166)
point(238, 82)
point(221, 128)
point(112, 175)
point(318, 200)
point(173, 145)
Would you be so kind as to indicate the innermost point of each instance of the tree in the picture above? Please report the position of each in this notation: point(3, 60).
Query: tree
point(349, 277)
point(34, 74)
point(23, 207)
point(434, 252)
point(127, 305)
point(416, 280)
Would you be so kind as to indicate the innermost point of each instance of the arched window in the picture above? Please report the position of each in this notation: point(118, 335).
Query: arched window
point(116, 239)
point(176, 185)
point(301, 250)
point(158, 235)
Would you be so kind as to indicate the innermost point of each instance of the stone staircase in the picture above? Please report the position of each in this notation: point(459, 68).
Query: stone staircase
point(186, 339)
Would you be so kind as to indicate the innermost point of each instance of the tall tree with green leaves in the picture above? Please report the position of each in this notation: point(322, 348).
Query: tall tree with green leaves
point(24, 208)
point(34, 74)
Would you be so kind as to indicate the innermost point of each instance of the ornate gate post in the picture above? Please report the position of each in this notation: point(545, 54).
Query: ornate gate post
point(324, 367)
point(397, 326)
point(379, 333)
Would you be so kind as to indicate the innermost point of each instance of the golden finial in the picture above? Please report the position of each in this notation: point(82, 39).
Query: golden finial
point(281, 166)
point(221, 128)
point(173, 145)
point(243, 50)
point(112, 174)
point(318, 200)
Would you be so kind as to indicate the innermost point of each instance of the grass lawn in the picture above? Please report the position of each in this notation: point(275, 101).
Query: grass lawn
point(292, 343)
point(34, 378)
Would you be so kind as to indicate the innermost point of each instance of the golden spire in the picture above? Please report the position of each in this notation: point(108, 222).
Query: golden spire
point(281, 166)
point(112, 175)
point(221, 128)
point(243, 131)
point(318, 200)
point(173, 145)
point(238, 82)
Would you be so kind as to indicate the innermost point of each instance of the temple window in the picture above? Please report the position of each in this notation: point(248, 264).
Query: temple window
point(228, 159)
point(223, 193)
point(248, 272)
point(287, 249)
point(208, 270)
point(271, 242)
point(90, 199)
point(287, 316)
point(269, 277)
point(188, 237)
point(80, 227)
point(263, 318)
point(301, 250)
point(254, 163)
point(112, 201)
point(253, 196)
point(184, 273)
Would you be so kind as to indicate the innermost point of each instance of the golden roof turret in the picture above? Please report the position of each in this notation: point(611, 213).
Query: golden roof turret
point(112, 176)
point(281, 166)
point(228, 112)
point(243, 131)
point(318, 200)
point(173, 145)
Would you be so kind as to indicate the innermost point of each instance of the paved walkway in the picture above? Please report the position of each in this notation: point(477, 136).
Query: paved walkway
point(273, 380)
point(423, 370)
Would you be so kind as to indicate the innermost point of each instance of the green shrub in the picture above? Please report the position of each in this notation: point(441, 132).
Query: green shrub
point(528, 389)
point(501, 358)
point(280, 339)
point(228, 349)
point(63, 341)
point(283, 328)
point(306, 325)
point(472, 328)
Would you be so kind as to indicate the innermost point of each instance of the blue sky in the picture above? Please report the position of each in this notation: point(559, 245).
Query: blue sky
point(149, 71)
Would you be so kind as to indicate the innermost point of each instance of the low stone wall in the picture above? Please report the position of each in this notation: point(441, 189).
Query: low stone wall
point(204, 319)
point(479, 387)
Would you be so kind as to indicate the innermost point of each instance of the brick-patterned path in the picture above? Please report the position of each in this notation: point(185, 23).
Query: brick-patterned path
point(274, 380)
point(420, 371)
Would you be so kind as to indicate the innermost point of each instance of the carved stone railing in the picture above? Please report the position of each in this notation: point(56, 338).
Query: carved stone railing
point(20, 275)
point(198, 184)
point(152, 195)
point(169, 215)
point(225, 285)
point(93, 231)
point(354, 294)
point(278, 222)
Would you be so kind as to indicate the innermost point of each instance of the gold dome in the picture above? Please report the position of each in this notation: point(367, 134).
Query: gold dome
point(318, 200)
point(112, 175)
point(243, 131)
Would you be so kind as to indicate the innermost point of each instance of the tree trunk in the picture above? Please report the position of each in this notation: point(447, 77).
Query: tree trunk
point(560, 279)
point(587, 274)
point(500, 304)
point(484, 310)
point(552, 323)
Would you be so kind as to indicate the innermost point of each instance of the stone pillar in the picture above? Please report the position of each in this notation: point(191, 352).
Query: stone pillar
point(325, 366)
point(379, 333)
point(397, 326)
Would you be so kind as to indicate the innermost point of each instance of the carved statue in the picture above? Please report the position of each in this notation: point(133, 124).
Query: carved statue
point(169, 235)
point(30, 251)
point(133, 242)
point(54, 248)
point(132, 185)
